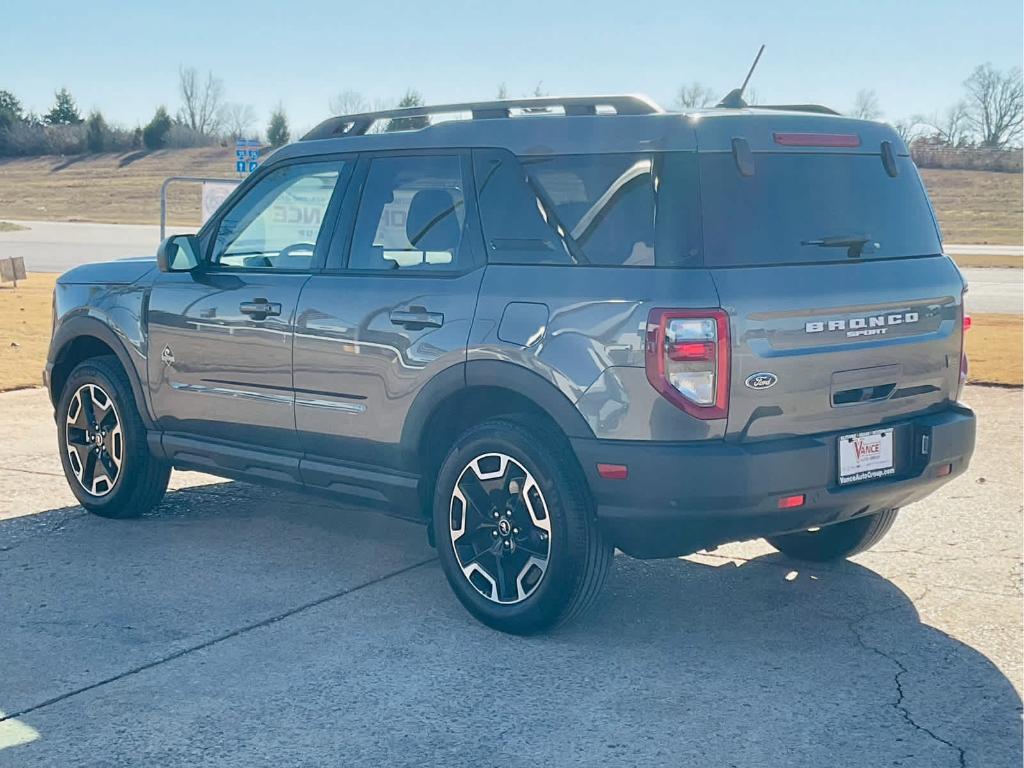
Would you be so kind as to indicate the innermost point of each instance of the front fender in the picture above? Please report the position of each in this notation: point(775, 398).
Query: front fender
point(132, 356)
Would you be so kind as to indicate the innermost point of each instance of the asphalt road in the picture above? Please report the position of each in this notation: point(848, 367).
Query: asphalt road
point(239, 626)
point(57, 246)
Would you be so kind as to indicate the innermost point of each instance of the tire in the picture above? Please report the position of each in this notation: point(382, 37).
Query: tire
point(835, 542)
point(542, 495)
point(126, 479)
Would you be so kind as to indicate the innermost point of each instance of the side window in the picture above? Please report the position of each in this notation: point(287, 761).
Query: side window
point(277, 223)
point(573, 209)
point(412, 215)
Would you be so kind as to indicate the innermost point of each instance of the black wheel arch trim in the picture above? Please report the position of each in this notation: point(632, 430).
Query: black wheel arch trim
point(79, 327)
point(491, 373)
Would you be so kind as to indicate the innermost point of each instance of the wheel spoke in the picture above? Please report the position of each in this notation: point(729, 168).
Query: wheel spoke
point(76, 436)
point(88, 410)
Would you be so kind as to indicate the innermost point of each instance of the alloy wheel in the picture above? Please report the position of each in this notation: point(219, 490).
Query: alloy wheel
point(500, 528)
point(94, 440)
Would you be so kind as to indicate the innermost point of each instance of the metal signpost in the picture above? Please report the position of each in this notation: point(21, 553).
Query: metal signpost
point(215, 191)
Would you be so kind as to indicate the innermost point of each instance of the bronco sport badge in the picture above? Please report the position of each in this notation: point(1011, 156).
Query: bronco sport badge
point(875, 325)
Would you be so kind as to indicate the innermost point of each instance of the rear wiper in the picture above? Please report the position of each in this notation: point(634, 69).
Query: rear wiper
point(855, 246)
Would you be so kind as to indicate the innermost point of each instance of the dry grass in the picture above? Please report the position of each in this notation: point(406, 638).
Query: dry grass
point(994, 349)
point(986, 260)
point(993, 344)
point(977, 207)
point(6, 226)
point(112, 188)
point(25, 330)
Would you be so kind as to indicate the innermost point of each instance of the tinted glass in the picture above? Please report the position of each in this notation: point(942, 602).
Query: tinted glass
point(277, 223)
point(411, 216)
point(792, 200)
point(573, 209)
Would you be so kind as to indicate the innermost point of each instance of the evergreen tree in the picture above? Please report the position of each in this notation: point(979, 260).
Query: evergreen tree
point(97, 133)
point(412, 98)
point(154, 135)
point(10, 109)
point(277, 130)
point(64, 110)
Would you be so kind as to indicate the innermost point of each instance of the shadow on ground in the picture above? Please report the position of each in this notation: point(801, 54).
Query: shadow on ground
point(237, 625)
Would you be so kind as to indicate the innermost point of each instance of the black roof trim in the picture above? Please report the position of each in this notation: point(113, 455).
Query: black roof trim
point(816, 108)
point(359, 124)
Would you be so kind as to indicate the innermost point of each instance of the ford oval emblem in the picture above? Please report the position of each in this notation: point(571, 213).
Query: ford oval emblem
point(763, 380)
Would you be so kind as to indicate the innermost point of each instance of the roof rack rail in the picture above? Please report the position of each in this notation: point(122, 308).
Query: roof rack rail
point(359, 124)
point(816, 108)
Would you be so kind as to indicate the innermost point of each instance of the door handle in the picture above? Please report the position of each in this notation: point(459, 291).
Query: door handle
point(416, 318)
point(260, 309)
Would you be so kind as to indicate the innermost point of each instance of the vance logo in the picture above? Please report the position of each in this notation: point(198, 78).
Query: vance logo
point(866, 449)
point(871, 325)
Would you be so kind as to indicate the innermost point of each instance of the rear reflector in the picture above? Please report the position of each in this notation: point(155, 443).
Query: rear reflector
point(701, 351)
point(613, 471)
point(817, 139)
point(944, 470)
point(788, 502)
point(967, 323)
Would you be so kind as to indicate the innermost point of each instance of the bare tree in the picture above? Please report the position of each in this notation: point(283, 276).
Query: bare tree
point(237, 119)
point(950, 127)
point(995, 105)
point(348, 103)
point(200, 101)
point(694, 96)
point(911, 128)
point(502, 92)
point(865, 106)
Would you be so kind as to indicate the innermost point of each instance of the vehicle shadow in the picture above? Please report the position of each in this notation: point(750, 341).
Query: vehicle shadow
point(681, 662)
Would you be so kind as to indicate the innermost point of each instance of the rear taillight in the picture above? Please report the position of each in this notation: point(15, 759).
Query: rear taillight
point(963, 356)
point(687, 358)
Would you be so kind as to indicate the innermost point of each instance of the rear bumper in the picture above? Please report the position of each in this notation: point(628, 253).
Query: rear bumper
point(681, 497)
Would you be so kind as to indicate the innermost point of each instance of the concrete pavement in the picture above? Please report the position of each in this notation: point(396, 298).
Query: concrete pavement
point(999, 290)
point(239, 626)
point(56, 246)
point(984, 250)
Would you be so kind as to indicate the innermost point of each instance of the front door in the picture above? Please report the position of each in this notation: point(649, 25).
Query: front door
point(220, 363)
point(372, 332)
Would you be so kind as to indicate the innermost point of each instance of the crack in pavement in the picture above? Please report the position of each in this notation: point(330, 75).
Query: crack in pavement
point(898, 705)
point(215, 641)
point(31, 471)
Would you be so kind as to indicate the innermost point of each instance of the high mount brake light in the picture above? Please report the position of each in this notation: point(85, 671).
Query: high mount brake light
point(817, 139)
point(687, 359)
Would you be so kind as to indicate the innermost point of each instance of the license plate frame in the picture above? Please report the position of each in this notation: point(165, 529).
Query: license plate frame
point(865, 456)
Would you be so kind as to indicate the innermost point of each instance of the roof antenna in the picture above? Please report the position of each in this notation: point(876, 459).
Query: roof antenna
point(734, 99)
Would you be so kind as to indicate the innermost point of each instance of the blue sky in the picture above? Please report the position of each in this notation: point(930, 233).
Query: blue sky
point(123, 57)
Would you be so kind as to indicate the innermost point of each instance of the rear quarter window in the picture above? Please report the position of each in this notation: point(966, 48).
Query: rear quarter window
point(595, 209)
point(791, 198)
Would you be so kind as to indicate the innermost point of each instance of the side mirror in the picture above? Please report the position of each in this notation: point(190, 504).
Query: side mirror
point(178, 253)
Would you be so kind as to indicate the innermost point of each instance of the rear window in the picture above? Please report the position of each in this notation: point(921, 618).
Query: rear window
point(805, 207)
point(599, 210)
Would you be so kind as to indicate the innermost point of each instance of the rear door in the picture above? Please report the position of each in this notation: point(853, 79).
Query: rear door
point(392, 311)
point(824, 249)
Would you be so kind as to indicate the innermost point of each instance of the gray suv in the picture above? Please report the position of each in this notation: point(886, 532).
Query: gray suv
point(549, 329)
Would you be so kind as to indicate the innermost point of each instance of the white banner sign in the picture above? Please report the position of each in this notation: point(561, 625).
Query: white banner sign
point(215, 193)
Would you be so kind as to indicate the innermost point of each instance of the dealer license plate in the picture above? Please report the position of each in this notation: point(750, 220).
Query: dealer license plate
point(865, 456)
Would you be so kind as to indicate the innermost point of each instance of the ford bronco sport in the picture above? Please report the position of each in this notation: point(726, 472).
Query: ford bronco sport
point(558, 327)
